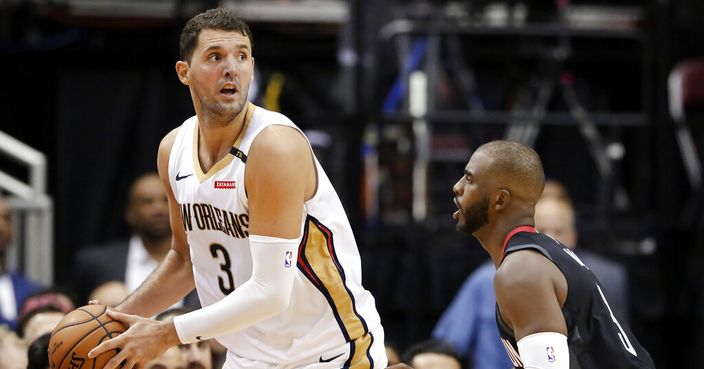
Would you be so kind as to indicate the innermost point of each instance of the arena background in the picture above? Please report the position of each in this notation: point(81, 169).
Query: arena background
point(92, 86)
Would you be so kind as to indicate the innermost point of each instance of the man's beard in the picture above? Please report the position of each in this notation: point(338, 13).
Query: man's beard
point(222, 112)
point(226, 112)
point(475, 217)
point(219, 111)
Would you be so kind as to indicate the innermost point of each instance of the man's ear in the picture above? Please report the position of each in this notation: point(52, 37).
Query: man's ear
point(253, 69)
point(503, 197)
point(182, 69)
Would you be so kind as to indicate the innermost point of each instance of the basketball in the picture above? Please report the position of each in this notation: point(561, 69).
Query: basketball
point(78, 333)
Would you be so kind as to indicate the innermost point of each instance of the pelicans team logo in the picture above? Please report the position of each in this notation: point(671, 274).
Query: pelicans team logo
point(551, 354)
point(288, 259)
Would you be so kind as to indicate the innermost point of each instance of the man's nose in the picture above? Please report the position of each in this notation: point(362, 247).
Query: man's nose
point(230, 66)
point(457, 188)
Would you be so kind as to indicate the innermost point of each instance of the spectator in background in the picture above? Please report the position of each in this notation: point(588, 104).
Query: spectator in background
point(469, 323)
point(13, 350)
point(432, 354)
point(132, 261)
point(110, 293)
point(556, 189)
point(170, 359)
point(38, 322)
point(14, 287)
point(197, 355)
point(41, 312)
point(37, 353)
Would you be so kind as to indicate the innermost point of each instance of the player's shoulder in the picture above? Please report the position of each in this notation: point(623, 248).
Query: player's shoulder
point(279, 140)
point(521, 268)
point(270, 117)
point(167, 142)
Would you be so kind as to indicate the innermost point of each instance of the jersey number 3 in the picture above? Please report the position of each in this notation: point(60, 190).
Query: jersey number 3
point(217, 251)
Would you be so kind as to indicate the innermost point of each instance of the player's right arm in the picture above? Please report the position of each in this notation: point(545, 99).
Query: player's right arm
point(530, 292)
point(173, 278)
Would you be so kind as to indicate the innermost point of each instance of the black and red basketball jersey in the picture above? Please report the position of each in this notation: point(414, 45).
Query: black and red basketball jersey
point(597, 339)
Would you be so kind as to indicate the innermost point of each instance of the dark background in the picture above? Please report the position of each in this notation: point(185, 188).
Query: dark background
point(96, 95)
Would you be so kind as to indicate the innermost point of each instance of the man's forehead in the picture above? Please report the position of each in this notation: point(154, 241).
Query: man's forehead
point(479, 162)
point(213, 37)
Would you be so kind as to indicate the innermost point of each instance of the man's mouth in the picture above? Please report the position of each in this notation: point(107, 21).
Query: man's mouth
point(229, 90)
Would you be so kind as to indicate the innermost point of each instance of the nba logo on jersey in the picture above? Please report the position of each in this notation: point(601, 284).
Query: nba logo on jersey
point(551, 354)
point(288, 259)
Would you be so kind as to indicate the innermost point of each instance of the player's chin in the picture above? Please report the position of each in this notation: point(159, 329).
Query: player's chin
point(462, 227)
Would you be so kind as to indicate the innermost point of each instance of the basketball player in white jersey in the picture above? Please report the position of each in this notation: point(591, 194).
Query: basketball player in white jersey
point(258, 230)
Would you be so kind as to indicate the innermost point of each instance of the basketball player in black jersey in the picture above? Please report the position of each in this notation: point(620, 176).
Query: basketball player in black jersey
point(551, 310)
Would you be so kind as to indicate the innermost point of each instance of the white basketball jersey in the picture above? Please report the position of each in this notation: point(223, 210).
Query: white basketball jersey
point(328, 308)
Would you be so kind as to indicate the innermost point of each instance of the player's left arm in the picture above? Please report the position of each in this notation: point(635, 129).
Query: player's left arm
point(278, 177)
point(530, 292)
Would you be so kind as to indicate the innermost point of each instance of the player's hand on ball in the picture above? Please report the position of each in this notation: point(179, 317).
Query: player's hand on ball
point(144, 340)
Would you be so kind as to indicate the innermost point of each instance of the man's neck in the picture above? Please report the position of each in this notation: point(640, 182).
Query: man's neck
point(215, 139)
point(493, 236)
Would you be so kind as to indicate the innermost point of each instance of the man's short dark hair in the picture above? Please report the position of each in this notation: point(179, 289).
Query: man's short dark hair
point(217, 19)
point(518, 162)
point(37, 353)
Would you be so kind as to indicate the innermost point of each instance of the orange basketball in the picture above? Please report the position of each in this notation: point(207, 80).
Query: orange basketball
point(78, 333)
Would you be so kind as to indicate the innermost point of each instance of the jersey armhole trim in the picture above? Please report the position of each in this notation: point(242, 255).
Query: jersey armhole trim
point(530, 246)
